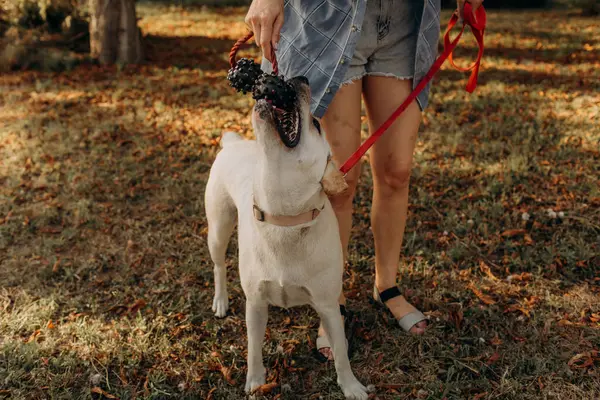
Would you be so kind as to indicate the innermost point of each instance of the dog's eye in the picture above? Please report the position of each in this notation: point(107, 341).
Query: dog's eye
point(317, 125)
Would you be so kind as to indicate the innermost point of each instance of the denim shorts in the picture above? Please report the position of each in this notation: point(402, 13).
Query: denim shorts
point(387, 45)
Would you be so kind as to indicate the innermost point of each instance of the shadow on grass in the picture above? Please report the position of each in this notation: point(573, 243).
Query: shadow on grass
point(570, 56)
point(587, 84)
point(189, 52)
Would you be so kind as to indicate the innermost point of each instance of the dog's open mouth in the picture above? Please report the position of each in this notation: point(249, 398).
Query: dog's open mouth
point(287, 122)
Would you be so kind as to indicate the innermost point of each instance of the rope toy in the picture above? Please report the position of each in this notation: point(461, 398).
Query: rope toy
point(246, 76)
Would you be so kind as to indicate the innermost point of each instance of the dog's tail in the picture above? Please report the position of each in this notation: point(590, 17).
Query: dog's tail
point(230, 137)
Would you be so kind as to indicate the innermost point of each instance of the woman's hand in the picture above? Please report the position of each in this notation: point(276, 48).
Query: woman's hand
point(475, 4)
point(265, 19)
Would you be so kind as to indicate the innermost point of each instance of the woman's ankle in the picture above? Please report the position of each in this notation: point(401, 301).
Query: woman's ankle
point(384, 283)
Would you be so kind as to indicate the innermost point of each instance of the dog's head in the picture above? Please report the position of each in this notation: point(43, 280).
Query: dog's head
point(295, 137)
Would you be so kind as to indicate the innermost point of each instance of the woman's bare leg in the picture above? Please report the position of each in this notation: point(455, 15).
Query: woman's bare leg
point(342, 127)
point(391, 163)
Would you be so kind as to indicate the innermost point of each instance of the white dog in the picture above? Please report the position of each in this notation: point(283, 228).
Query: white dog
point(290, 253)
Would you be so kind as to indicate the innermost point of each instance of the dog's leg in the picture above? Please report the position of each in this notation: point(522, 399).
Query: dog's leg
point(256, 323)
point(332, 322)
point(221, 222)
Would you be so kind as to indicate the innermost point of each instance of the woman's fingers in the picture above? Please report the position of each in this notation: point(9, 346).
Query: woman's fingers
point(277, 30)
point(257, 33)
point(253, 24)
point(266, 35)
point(265, 18)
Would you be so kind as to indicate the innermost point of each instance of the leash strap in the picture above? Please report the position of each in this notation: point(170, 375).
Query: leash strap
point(477, 24)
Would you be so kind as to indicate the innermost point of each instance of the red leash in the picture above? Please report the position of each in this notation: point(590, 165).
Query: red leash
point(477, 25)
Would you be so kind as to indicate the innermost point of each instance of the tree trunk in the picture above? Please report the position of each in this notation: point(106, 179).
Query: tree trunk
point(114, 34)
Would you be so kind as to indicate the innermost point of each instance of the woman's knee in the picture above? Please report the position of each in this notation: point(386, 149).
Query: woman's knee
point(393, 177)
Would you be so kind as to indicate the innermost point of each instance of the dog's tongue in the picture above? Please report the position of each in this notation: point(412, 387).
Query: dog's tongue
point(278, 110)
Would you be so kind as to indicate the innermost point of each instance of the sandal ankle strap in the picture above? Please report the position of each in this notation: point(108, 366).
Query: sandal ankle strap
point(390, 293)
point(343, 310)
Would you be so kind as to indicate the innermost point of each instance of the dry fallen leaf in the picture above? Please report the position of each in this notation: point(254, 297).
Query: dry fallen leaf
point(50, 325)
point(496, 341)
point(483, 297)
point(493, 358)
point(210, 393)
point(5, 219)
point(33, 336)
point(486, 270)
point(227, 374)
point(140, 303)
point(56, 265)
point(516, 307)
point(583, 360)
point(513, 232)
point(266, 388)
point(565, 322)
point(525, 276)
point(96, 389)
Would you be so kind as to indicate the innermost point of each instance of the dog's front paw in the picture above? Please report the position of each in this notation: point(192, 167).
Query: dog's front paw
point(220, 305)
point(354, 390)
point(255, 380)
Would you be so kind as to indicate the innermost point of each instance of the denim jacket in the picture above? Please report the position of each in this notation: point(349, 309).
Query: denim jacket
point(318, 40)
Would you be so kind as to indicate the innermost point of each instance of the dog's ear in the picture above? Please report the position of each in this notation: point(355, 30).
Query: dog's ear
point(333, 181)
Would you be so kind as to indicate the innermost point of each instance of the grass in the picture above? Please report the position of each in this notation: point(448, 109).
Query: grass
point(106, 283)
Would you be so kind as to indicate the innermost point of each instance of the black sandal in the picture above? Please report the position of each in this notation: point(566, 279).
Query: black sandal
point(406, 322)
